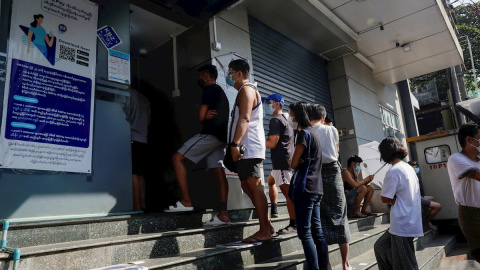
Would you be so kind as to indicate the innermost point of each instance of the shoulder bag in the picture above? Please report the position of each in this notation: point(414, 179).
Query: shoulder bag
point(228, 161)
point(297, 186)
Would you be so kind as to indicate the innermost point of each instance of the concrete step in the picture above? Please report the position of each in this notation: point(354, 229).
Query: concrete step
point(361, 252)
point(468, 265)
point(122, 248)
point(62, 231)
point(429, 253)
point(359, 240)
point(224, 258)
point(91, 253)
point(459, 259)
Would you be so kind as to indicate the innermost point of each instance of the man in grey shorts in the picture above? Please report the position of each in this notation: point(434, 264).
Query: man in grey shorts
point(209, 144)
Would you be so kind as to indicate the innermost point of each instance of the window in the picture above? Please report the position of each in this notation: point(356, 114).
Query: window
point(437, 154)
point(391, 125)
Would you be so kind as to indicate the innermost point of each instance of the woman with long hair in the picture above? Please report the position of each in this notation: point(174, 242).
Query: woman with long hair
point(41, 39)
point(307, 206)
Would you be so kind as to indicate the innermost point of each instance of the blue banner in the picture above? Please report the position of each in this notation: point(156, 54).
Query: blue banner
point(109, 37)
point(48, 106)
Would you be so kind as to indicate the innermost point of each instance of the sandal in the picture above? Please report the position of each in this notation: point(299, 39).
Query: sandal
point(359, 216)
point(215, 221)
point(179, 207)
point(369, 213)
point(251, 240)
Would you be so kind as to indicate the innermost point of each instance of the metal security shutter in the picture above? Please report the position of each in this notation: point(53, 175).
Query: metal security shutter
point(282, 66)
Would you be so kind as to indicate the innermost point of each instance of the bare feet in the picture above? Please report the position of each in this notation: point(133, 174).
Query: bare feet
point(186, 204)
point(223, 216)
point(348, 267)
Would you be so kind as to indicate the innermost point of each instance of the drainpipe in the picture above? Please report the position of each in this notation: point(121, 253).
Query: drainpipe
point(473, 65)
point(453, 83)
point(461, 83)
point(3, 245)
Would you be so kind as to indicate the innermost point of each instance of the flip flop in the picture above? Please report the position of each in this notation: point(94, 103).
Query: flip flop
point(370, 214)
point(215, 221)
point(255, 240)
point(179, 208)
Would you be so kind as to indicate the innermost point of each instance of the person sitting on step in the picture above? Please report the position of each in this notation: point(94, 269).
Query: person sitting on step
point(357, 191)
point(427, 201)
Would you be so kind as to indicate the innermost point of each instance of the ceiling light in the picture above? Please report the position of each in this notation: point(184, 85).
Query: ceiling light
point(406, 47)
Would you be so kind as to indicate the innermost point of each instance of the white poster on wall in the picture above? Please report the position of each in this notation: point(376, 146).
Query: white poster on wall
point(118, 66)
point(47, 121)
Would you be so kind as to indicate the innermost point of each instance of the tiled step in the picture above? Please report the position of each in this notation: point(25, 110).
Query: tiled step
point(228, 258)
point(468, 265)
point(429, 253)
point(458, 259)
point(361, 252)
point(359, 240)
point(91, 253)
point(61, 231)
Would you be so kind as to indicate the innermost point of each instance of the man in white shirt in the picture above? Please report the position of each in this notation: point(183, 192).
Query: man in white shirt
point(464, 171)
point(394, 249)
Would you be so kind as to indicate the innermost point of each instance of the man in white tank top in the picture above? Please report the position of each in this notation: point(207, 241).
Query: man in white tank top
point(247, 129)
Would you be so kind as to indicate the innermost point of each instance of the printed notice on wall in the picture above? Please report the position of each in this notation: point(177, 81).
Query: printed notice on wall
point(118, 66)
point(47, 121)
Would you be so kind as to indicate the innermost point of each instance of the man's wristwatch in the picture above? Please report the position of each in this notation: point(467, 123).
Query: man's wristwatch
point(232, 144)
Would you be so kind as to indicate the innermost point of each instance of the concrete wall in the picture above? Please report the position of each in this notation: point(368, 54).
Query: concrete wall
point(356, 96)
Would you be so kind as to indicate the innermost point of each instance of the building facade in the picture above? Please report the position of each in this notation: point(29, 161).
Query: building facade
point(349, 56)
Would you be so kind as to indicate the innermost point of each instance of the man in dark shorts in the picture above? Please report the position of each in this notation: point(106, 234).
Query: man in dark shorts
point(139, 119)
point(280, 140)
point(209, 144)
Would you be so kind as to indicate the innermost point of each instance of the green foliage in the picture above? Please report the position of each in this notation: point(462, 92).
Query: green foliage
point(468, 24)
point(439, 77)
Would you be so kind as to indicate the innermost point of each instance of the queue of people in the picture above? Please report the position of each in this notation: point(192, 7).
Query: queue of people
point(319, 214)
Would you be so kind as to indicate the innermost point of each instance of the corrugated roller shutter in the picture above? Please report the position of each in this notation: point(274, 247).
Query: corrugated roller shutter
point(282, 66)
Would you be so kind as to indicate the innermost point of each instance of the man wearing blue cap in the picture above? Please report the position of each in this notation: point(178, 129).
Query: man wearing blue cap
point(280, 140)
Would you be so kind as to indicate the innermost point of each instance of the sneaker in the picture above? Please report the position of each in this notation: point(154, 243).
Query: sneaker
point(274, 215)
point(287, 230)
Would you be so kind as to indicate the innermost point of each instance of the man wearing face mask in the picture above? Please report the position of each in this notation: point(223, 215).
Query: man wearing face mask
point(356, 190)
point(280, 140)
point(209, 144)
point(247, 130)
point(464, 171)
